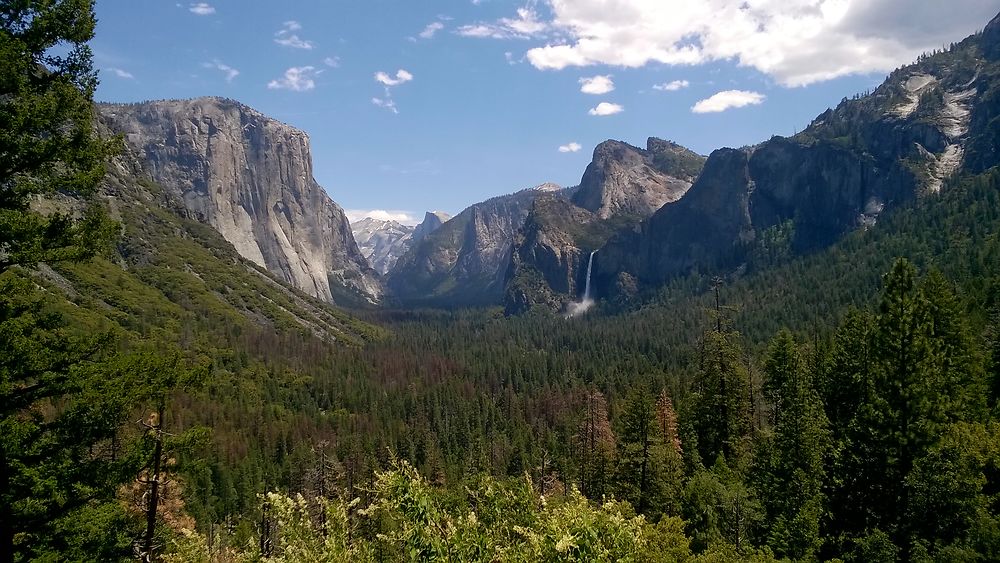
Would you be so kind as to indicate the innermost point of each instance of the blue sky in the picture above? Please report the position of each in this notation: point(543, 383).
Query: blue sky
point(477, 97)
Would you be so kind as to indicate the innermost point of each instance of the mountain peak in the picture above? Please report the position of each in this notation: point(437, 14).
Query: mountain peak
point(548, 187)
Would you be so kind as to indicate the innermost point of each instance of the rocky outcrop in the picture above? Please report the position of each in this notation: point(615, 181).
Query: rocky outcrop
point(626, 180)
point(250, 177)
point(548, 263)
point(789, 196)
point(465, 261)
point(432, 222)
point(622, 186)
point(382, 242)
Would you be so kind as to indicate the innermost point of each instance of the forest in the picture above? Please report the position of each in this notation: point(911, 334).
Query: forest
point(841, 405)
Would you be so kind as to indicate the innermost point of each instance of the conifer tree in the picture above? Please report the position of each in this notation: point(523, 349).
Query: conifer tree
point(801, 438)
point(723, 401)
point(595, 445)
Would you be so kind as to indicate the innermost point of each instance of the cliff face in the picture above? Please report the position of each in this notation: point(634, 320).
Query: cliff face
point(250, 177)
point(548, 263)
point(382, 242)
point(622, 186)
point(432, 222)
point(465, 261)
point(788, 196)
point(623, 180)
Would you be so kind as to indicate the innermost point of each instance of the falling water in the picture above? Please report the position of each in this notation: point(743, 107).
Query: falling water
point(581, 307)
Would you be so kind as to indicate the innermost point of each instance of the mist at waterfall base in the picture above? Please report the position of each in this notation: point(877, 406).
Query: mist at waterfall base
point(580, 307)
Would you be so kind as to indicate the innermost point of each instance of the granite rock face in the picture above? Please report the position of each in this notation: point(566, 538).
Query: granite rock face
point(874, 153)
point(465, 261)
point(250, 177)
point(383, 241)
point(626, 180)
point(432, 222)
point(622, 186)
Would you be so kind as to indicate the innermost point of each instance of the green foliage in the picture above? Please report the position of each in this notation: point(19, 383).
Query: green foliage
point(48, 144)
point(723, 398)
point(499, 521)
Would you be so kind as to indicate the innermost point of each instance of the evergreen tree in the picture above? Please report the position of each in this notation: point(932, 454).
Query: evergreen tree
point(48, 143)
point(649, 465)
point(595, 446)
point(723, 399)
point(795, 502)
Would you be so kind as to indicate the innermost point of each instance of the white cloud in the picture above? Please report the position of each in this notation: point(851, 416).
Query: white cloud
point(727, 100)
point(287, 37)
point(597, 84)
point(296, 79)
point(604, 108)
point(227, 70)
point(202, 9)
point(404, 217)
point(120, 73)
point(332, 62)
point(570, 147)
point(671, 86)
point(402, 76)
point(431, 29)
point(524, 26)
point(387, 102)
point(797, 42)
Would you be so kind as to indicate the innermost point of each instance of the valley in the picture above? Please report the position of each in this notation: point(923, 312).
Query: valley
point(781, 352)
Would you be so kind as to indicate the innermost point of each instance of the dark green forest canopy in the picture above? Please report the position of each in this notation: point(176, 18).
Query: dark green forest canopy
point(841, 404)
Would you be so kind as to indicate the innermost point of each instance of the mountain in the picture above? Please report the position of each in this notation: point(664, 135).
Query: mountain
point(626, 180)
point(382, 241)
point(464, 262)
point(174, 279)
point(250, 177)
point(621, 186)
point(432, 222)
point(869, 156)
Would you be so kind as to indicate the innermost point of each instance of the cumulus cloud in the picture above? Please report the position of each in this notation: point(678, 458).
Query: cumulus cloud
point(570, 147)
point(201, 8)
point(600, 84)
point(332, 62)
point(229, 72)
point(286, 36)
point(605, 108)
point(383, 78)
point(120, 73)
point(524, 26)
point(296, 79)
point(728, 100)
point(404, 217)
point(797, 42)
point(402, 76)
point(671, 86)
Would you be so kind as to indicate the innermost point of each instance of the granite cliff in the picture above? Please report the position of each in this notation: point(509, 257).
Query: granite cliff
point(870, 155)
point(250, 177)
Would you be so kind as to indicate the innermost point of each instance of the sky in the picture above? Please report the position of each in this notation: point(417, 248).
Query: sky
point(417, 105)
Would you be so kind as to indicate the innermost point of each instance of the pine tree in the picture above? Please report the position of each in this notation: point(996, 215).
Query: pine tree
point(801, 439)
point(723, 401)
point(595, 446)
point(49, 144)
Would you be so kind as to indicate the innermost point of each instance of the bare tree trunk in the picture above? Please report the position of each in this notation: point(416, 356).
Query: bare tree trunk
point(153, 501)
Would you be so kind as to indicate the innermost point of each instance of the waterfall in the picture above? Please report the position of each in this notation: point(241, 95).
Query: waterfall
point(586, 302)
point(590, 269)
